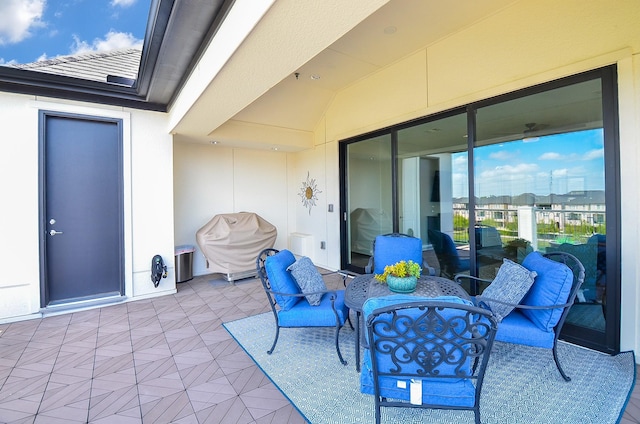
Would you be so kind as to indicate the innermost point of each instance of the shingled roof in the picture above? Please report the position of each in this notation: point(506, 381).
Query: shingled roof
point(95, 66)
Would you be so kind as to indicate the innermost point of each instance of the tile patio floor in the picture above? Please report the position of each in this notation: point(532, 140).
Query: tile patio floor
point(163, 360)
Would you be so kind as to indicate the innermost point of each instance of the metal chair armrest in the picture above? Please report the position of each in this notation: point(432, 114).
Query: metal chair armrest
point(335, 294)
point(368, 269)
point(428, 270)
point(343, 273)
point(458, 277)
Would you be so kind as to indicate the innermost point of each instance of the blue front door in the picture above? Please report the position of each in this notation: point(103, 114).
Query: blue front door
point(82, 209)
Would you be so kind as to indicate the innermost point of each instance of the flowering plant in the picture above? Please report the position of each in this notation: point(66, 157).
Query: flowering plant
point(399, 269)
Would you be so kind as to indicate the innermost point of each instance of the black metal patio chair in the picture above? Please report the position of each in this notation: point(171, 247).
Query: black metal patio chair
point(426, 353)
point(293, 308)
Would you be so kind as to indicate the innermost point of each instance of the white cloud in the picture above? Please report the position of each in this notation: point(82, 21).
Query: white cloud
point(111, 41)
point(460, 160)
point(558, 156)
point(503, 155)
point(460, 184)
point(593, 154)
point(506, 179)
point(18, 18)
point(122, 3)
point(510, 170)
point(5, 63)
point(550, 156)
point(559, 173)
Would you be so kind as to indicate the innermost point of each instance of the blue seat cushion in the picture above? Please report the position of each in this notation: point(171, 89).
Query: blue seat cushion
point(281, 280)
point(517, 328)
point(552, 286)
point(438, 391)
point(305, 315)
point(392, 249)
point(434, 392)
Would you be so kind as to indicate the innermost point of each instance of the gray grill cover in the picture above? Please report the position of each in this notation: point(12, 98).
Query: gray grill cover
point(231, 242)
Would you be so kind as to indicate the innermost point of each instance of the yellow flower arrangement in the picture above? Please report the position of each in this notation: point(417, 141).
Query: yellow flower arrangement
point(399, 269)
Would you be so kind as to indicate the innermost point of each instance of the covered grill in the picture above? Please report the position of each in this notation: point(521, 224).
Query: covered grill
point(231, 243)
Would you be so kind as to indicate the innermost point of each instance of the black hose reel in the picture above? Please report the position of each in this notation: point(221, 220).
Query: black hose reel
point(158, 270)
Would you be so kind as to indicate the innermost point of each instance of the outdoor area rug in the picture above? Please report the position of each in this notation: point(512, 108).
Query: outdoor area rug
point(522, 384)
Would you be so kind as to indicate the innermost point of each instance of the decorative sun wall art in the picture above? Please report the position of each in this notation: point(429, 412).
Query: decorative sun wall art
point(308, 193)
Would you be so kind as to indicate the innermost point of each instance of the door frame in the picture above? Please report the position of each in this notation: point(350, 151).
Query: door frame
point(42, 193)
point(609, 340)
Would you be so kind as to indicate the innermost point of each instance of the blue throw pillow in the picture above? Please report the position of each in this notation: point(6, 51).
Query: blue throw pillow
point(374, 303)
point(552, 287)
point(511, 284)
point(281, 280)
point(308, 278)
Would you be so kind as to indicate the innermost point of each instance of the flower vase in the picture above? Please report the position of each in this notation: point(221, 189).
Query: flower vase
point(402, 284)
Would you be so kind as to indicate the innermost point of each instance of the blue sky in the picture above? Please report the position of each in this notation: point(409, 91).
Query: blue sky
point(557, 163)
point(32, 30)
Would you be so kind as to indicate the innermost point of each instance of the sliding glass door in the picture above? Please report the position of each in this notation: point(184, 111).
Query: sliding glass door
point(534, 170)
point(368, 198)
point(540, 185)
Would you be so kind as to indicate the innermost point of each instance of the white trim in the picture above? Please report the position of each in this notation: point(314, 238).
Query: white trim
point(125, 117)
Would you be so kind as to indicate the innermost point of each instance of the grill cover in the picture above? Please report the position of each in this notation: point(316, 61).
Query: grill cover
point(366, 224)
point(231, 242)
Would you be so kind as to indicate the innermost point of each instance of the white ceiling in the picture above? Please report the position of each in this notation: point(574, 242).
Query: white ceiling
point(396, 30)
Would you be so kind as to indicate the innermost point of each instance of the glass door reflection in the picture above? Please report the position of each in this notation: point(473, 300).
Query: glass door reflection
point(432, 184)
point(369, 197)
point(540, 186)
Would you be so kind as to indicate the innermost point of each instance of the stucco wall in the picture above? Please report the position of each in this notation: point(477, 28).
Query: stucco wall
point(152, 209)
point(525, 44)
point(211, 180)
point(19, 279)
point(148, 205)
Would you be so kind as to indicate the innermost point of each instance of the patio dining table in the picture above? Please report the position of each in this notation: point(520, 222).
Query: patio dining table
point(366, 286)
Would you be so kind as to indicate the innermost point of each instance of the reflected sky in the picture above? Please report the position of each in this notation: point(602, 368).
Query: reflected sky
point(556, 164)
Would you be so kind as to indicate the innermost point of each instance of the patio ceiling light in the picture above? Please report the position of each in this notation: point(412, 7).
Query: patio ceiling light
point(390, 30)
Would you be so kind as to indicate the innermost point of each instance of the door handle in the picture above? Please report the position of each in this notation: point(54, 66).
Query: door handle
point(54, 232)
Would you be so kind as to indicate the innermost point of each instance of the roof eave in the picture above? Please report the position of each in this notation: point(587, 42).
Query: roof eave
point(159, 15)
point(58, 86)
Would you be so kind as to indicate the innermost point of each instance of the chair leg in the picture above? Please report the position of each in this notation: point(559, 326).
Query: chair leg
point(273, 346)
point(350, 324)
point(338, 346)
point(555, 358)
